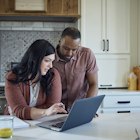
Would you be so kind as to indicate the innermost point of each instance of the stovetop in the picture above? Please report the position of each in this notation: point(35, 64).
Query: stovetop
point(1, 91)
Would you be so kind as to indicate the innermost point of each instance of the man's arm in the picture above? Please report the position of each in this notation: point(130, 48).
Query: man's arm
point(93, 84)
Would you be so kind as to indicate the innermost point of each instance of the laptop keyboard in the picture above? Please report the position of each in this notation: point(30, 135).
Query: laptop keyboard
point(58, 125)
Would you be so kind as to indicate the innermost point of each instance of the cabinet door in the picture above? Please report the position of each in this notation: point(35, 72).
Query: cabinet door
point(105, 25)
point(113, 70)
point(91, 22)
point(62, 7)
point(118, 26)
point(121, 101)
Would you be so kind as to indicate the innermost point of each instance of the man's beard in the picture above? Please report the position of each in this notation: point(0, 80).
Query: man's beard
point(66, 58)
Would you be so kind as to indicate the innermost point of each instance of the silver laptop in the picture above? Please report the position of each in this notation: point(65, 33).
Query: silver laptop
point(82, 111)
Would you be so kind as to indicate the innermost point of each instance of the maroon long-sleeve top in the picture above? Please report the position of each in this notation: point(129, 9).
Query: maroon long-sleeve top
point(18, 96)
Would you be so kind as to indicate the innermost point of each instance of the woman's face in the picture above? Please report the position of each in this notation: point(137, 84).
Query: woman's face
point(46, 63)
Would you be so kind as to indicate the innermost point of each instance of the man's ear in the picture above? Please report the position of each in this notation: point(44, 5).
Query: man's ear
point(59, 41)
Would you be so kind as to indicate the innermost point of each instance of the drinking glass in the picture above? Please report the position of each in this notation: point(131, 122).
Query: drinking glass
point(6, 126)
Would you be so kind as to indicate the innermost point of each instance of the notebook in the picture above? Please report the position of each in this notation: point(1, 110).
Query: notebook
point(18, 123)
point(82, 112)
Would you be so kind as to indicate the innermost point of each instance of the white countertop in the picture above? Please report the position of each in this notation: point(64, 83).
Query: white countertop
point(114, 92)
point(105, 127)
point(108, 91)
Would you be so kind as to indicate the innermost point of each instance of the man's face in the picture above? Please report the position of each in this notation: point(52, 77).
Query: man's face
point(68, 47)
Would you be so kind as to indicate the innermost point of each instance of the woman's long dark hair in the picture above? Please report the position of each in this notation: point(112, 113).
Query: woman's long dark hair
point(29, 67)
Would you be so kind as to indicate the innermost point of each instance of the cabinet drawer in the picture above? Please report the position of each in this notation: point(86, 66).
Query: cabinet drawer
point(121, 110)
point(121, 101)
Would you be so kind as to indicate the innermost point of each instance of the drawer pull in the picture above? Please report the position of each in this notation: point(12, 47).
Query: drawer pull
point(106, 85)
point(123, 102)
point(123, 111)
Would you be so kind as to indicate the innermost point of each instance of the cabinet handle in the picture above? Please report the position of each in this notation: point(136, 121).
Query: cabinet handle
point(123, 102)
point(123, 111)
point(106, 85)
point(107, 45)
point(103, 45)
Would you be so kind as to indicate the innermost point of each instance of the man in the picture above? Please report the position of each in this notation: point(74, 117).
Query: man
point(77, 67)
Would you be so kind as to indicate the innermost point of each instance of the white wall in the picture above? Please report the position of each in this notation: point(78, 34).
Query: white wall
point(134, 33)
point(139, 32)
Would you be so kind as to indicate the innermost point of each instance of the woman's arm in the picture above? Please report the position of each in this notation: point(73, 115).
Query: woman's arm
point(56, 90)
point(20, 108)
point(16, 98)
point(53, 100)
point(54, 109)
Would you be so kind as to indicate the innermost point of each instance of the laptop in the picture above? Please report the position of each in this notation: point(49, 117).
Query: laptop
point(82, 112)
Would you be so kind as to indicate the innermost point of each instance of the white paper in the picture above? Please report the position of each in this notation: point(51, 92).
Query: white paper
point(18, 123)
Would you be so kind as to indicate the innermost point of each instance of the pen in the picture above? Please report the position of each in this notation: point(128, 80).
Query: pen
point(137, 133)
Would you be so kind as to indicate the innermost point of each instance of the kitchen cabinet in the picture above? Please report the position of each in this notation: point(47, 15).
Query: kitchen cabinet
point(62, 10)
point(113, 70)
point(105, 27)
point(65, 7)
point(120, 101)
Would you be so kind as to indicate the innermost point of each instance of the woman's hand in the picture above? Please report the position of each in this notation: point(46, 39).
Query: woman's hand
point(56, 108)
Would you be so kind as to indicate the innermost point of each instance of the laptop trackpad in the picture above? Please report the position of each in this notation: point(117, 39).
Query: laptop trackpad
point(57, 122)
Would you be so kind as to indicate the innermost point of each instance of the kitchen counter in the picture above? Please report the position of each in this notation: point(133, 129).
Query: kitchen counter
point(105, 127)
point(114, 92)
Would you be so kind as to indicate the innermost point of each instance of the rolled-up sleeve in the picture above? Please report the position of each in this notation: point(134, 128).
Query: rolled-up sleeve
point(16, 100)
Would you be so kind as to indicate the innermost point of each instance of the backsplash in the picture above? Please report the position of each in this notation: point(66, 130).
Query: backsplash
point(16, 37)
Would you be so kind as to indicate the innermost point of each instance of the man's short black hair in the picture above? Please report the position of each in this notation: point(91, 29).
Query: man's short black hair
point(74, 33)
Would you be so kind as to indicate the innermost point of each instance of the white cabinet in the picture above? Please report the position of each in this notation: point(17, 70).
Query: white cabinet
point(120, 101)
point(105, 26)
point(113, 70)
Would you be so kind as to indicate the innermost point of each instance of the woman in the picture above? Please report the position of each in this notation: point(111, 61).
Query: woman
point(33, 87)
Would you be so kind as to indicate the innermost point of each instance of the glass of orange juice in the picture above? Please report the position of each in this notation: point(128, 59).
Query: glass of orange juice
point(6, 126)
